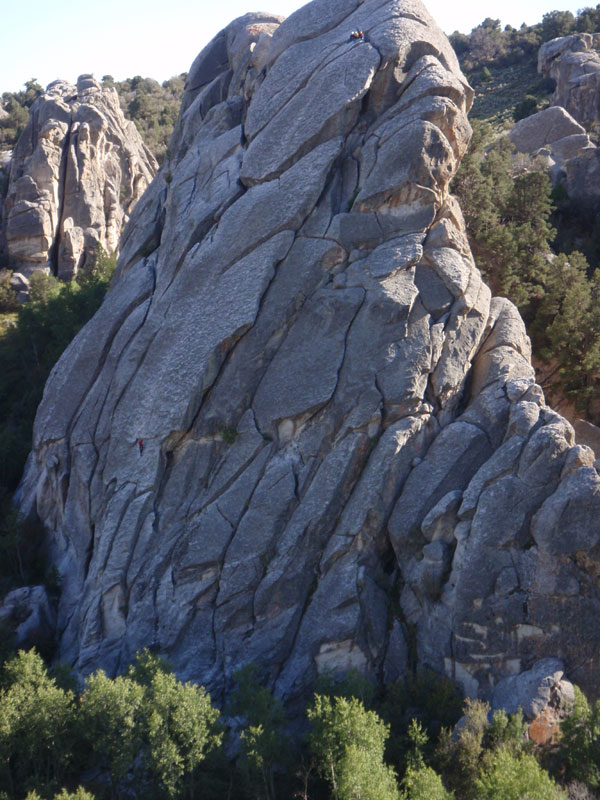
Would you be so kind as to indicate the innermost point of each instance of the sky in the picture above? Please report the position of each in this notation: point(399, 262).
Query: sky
point(161, 38)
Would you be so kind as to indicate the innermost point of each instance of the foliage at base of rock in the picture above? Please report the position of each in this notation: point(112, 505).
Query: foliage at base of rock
point(139, 737)
point(348, 743)
point(580, 740)
point(514, 777)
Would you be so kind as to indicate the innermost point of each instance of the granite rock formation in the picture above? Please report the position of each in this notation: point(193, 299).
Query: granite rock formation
point(574, 63)
point(5, 157)
point(300, 431)
point(76, 173)
point(543, 695)
point(562, 144)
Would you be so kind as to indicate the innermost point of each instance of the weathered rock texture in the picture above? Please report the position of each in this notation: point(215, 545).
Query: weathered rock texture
point(543, 695)
point(5, 157)
point(77, 172)
point(301, 432)
point(574, 63)
point(563, 144)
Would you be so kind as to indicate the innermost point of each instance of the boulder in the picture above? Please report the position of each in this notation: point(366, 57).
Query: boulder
point(76, 174)
point(583, 175)
point(574, 64)
point(543, 695)
point(543, 129)
point(20, 284)
point(587, 434)
point(30, 613)
point(299, 399)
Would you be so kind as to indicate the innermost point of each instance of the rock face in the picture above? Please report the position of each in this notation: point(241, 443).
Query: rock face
point(300, 431)
point(76, 173)
point(564, 147)
point(5, 157)
point(30, 614)
point(568, 152)
point(574, 63)
point(549, 128)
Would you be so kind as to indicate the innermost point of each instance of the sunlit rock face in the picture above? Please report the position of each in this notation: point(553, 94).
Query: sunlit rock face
point(76, 173)
point(300, 431)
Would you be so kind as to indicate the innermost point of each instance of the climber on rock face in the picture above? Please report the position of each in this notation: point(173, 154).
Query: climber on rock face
point(140, 444)
point(357, 35)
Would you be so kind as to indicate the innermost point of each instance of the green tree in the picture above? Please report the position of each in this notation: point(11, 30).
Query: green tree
point(181, 728)
point(580, 740)
point(435, 700)
point(525, 107)
point(557, 23)
point(43, 287)
point(79, 794)
point(36, 727)
point(265, 747)
point(515, 777)
point(110, 718)
point(566, 330)
point(458, 755)
point(8, 297)
point(348, 743)
point(421, 782)
point(17, 105)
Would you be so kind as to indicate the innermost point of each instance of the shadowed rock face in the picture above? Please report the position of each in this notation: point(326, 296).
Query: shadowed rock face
point(76, 173)
point(299, 431)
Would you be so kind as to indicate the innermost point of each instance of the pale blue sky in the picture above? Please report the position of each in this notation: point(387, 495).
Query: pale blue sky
point(158, 39)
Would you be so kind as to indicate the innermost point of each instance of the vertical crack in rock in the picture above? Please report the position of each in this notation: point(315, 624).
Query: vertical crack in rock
point(55, 247)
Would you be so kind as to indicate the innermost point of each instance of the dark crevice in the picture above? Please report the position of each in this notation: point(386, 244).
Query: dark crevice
point(54, 253)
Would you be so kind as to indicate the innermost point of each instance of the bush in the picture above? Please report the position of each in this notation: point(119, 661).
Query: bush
point(143, 738)
point(37, 730)
point(515, 777)
point(43, 287)
point(348, 743)
point(525, 108)
point(423, 783)
point(420, 782)
point(462, 755)
point(580, 741)
point(265, 747)
point(8, 296)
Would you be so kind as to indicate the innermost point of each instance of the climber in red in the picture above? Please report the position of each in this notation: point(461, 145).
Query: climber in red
point(140, 444)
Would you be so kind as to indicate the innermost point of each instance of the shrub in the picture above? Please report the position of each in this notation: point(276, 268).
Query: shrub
point(515, 777)
point(8, 296)
point(525, 108)
point(42, 287)
point(37, 730)
point(423, 783)
point(348, 743)
point(265, 746)
point(580, 740)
